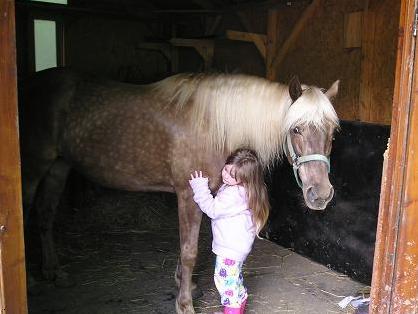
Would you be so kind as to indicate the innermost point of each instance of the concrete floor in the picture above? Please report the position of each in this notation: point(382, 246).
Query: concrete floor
point(128, 266)
point(281, 281)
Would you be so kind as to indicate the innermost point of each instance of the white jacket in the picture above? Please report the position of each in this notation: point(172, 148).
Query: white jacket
point(233, 228)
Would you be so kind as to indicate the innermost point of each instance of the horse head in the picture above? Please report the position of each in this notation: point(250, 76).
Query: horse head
point(310, 124)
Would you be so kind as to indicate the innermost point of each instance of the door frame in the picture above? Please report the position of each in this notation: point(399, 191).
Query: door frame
point(395, 269)
point(12, 252)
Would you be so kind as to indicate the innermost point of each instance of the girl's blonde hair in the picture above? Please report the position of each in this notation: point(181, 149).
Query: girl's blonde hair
point(249, 172)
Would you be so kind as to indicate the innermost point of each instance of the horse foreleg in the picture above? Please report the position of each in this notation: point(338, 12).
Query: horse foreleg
point(189, 223)
point(47, 199)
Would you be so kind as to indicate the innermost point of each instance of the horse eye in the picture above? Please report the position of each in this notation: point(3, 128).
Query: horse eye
point(296, 130)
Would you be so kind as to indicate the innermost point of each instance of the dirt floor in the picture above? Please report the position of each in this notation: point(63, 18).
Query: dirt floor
point(121, 250)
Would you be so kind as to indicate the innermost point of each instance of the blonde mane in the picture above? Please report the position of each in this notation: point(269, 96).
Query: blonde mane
point(231, 111)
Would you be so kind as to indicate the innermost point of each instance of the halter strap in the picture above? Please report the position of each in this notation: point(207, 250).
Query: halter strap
point(297, 161)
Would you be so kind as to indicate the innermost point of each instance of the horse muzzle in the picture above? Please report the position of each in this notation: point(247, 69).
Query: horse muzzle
point(317, 198)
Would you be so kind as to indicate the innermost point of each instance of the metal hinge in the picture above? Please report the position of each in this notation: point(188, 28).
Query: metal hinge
point(415, 23)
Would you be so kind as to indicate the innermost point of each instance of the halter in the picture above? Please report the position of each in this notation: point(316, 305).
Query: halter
point(298, 161)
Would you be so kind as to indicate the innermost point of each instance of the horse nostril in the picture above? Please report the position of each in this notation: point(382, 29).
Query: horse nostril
point(312, 196)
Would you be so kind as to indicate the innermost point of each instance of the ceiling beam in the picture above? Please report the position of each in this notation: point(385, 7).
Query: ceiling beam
point(71, 10)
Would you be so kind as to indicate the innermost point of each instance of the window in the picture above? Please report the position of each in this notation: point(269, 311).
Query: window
point(46, 33)
point(45, 44)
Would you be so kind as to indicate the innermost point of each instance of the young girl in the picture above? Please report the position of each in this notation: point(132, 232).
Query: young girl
point(238, 212)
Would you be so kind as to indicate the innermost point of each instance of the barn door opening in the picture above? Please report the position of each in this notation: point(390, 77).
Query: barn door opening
point(395, 271)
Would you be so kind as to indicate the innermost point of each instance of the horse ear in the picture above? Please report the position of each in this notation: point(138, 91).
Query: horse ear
point(295, 89)
point(333, 90)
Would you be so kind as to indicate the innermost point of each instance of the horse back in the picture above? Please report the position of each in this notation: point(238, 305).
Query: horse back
point(119, 135)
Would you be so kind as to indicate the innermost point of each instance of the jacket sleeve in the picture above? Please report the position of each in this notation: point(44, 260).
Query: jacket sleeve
point(227, 203)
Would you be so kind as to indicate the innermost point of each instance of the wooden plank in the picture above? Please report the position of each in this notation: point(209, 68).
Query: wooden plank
point(12, 258)
point(352, 29)
point(259, 40)
point(271, 43)
point(394, 284)
point(384, 59)
point(297, 30)
point(367, 66)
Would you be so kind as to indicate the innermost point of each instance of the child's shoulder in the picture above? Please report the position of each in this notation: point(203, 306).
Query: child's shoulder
point(234, 189)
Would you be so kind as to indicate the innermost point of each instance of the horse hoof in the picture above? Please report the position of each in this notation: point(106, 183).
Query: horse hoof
point(184, 309)
point(62, 280)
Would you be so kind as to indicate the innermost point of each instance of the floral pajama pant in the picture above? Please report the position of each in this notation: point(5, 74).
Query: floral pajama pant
point(229, 282)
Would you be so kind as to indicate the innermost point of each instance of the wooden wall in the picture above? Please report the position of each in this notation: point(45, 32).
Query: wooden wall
point(378, 72)
point(110, 46)
point(366, 73)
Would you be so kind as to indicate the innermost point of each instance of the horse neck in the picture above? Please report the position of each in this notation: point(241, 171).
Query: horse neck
point(243, 111)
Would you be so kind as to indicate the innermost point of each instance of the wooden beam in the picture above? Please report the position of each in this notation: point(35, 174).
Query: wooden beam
point(297, 30)
point(12, 256)
point(259, 40)
point(72, 10)
point(272, 42)
point(395, 269)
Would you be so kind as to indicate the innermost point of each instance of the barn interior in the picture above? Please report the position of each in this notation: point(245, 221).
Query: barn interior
point(108, 240)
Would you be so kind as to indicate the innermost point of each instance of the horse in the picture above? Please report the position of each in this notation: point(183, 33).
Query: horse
point(151, 137)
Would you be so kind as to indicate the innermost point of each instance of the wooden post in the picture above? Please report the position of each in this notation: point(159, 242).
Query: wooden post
point(12, 258)
point(395, 271)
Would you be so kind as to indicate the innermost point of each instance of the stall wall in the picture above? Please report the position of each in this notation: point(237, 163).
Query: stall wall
point(343, 235)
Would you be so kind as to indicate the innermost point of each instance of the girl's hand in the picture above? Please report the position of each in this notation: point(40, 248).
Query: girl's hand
point(198, 180)
point(197, 174)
